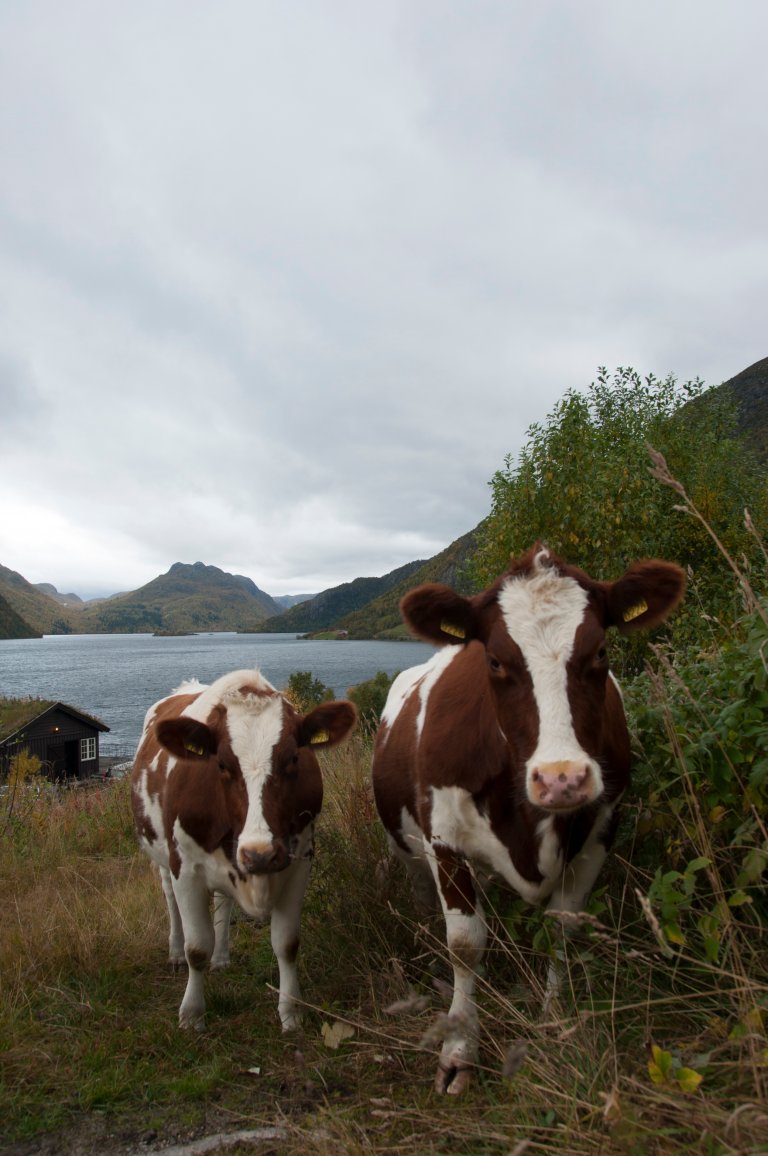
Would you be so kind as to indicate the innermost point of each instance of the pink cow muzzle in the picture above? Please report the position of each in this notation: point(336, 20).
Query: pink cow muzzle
point(563, 786)
point(263, 858)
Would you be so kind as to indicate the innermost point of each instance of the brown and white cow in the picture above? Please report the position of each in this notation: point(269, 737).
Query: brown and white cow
point(225, 790)
point(509, 750)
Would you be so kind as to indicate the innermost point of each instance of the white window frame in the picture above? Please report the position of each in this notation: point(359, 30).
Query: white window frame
point(87, 750)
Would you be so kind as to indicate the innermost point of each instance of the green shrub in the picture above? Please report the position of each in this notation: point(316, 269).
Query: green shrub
point(370, 696)
point(305, 691)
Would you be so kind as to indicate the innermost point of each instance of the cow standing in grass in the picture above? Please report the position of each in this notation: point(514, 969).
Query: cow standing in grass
point(509, 748)
point(225, 791)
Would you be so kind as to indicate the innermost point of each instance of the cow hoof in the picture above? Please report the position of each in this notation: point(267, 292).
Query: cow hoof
point(291, 1022)
point(177, 964)
point(192, 1023)
point(219, 964)
point(452, 1081)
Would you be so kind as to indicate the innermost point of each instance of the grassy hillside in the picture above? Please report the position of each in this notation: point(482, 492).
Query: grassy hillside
point(188, 598)
point(64, 599)
point(39, 613)
point(12, 625)
point(381, 618)
point(331, 606)
point(750, 389)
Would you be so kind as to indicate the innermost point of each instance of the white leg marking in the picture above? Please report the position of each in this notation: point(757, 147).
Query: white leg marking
point(465, 937)
point(175, 932)
point(284, 930)
point(193, 899)
point(574, 886)
point(222, 912)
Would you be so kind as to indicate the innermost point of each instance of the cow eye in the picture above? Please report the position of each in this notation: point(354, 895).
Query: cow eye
point(602, 654)
point(494, 664)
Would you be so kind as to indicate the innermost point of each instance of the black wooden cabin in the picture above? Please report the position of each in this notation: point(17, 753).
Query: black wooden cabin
point(64, 739)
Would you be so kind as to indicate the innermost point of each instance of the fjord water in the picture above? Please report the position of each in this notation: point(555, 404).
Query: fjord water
point(116, 677)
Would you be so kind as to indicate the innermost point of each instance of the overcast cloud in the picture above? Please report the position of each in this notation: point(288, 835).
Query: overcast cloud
point(283, 281)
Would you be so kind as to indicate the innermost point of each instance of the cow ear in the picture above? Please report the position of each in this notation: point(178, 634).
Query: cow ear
point(645, 596)
point(186, 738)
point(437, 614)
point(327, 724)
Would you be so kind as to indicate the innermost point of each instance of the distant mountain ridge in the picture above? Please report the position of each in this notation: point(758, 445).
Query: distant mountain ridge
point(197, 597)
point(52, 592)
point(381, 618)
point(39, 613)
point(326, 608)
point(750, 390)
point(12, 625)
point(286, 601)
point(187, 598)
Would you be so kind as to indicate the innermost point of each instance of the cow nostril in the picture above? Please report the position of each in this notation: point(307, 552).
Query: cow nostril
point(535, 775)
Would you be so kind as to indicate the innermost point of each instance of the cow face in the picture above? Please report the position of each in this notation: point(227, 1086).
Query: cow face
point(254, 756)
point(542, 626)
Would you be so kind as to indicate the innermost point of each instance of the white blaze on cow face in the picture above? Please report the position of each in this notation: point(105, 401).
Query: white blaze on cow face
point(254, 726)
point(542, 614)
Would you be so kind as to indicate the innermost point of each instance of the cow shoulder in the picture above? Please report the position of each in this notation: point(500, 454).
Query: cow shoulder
point(461, 744)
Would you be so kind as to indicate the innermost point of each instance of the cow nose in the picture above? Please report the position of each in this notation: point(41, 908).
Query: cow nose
point(263, 859)
point(562, 785)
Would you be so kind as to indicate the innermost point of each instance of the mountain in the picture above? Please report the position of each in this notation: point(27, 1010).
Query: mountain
point(750, 390)
point(39, 613)
point(189, 598)
point(52, 592)
point(328, 607)
point(286, 601)
point(381, 618)
point(12, 625)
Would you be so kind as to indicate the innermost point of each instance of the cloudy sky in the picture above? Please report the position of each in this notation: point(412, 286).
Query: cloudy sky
point(283, 281)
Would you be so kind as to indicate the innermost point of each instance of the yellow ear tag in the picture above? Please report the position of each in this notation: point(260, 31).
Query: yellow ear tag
point(456, 631)
point(635, 611)
point(193, 749)
point(320, 737)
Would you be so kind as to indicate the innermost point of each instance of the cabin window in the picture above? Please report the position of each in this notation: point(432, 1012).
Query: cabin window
point(87, 750)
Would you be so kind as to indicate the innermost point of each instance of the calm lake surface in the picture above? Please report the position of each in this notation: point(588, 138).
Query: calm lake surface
point(118, 676)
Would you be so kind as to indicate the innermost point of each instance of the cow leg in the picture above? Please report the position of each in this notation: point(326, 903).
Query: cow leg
point(175, 933)
point(466, 933)
point(421, 878)
point(194, 907)
point(570, 895)
point(284, 931)
point(222, 912)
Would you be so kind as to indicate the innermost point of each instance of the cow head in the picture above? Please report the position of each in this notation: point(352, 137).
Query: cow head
point(542, 628)
point(254, 756)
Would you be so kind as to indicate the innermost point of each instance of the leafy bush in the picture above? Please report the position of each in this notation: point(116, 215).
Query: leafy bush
point(370, 697)
point(704, 771)
point(305, 691)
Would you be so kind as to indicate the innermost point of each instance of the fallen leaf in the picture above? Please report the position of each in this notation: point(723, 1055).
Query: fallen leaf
point(335, 1034)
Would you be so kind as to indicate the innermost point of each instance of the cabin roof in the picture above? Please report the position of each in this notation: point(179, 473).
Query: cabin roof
point(18, 713)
